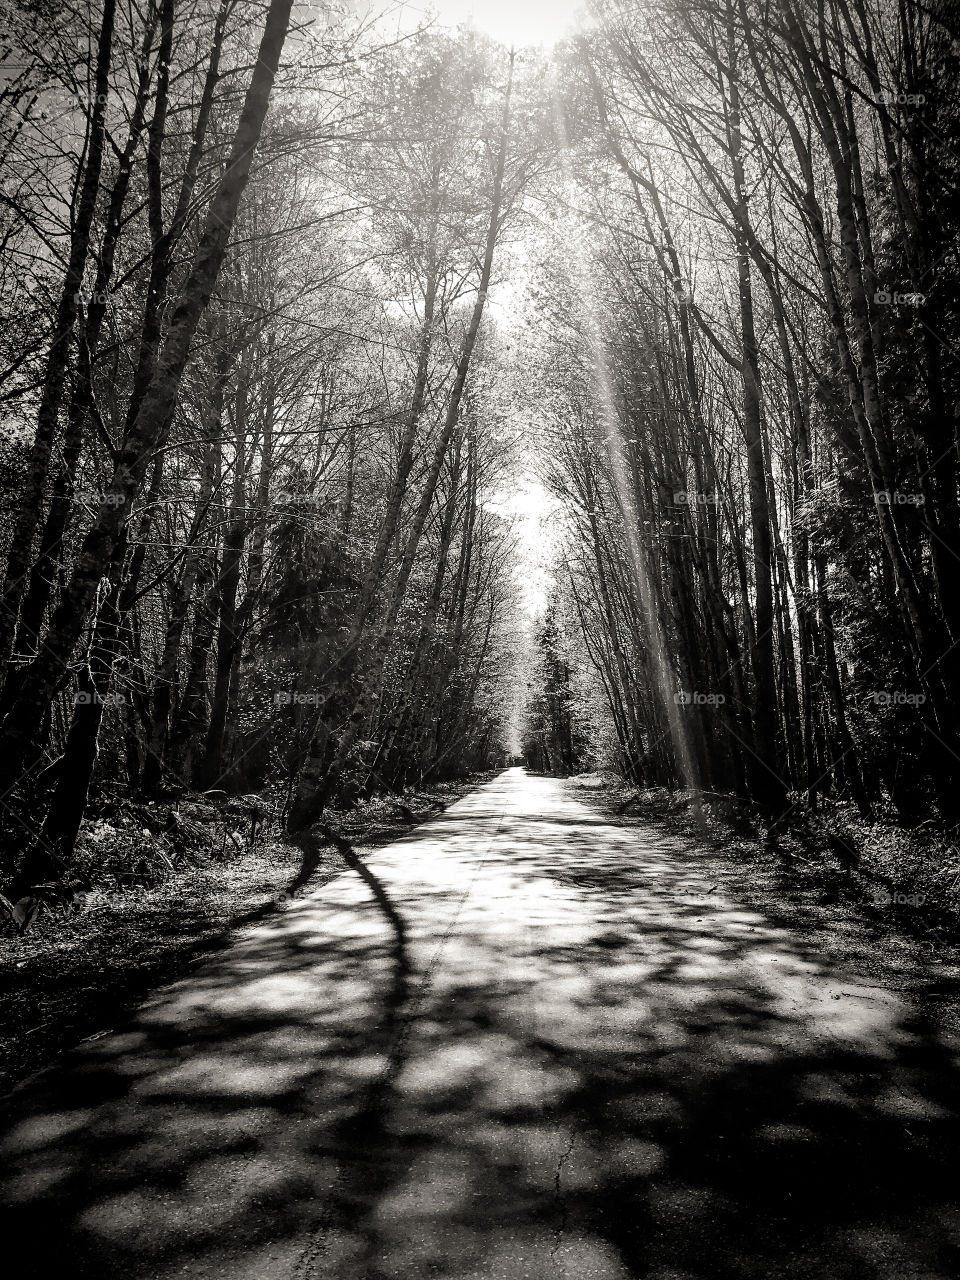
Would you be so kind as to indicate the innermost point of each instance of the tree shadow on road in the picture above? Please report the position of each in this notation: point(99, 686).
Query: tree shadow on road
point(565, 1052)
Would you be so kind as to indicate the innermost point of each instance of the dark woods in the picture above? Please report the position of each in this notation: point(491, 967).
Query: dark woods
point(754, 421)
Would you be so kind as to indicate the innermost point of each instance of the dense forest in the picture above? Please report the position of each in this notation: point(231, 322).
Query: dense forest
point(298, 298)
point(749, 375)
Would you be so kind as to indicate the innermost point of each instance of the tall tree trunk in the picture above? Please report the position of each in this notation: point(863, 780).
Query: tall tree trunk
point(32, 498)
point(45, 568)
point(154, 414)
point(227, 593)
point(765, 766)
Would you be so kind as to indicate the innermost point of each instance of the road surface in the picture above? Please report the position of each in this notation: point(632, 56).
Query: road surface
point(531, 1044)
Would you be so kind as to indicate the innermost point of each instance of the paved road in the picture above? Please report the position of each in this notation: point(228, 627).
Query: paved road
point(530, 1044)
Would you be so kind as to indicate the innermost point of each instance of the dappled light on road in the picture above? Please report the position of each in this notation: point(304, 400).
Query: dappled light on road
point(565, 1051)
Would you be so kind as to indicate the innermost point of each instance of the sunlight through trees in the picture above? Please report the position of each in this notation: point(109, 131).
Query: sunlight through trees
point(301, 300)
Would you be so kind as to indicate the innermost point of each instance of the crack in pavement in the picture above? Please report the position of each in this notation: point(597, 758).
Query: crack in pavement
point(560, 1197)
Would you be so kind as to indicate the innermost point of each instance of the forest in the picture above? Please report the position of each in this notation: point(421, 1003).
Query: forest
point(312, 312)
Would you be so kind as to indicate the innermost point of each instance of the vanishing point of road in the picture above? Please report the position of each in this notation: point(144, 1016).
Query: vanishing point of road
point(526, 1043)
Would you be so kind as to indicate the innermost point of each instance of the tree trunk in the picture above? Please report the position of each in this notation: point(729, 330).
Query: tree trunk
point(155, 412)
point(32, 500)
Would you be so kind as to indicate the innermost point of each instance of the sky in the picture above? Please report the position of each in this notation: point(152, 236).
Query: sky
point(513, 22)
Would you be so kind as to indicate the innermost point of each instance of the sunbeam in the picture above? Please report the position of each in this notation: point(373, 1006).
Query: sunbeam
point(582, 278)
point(516, 22)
